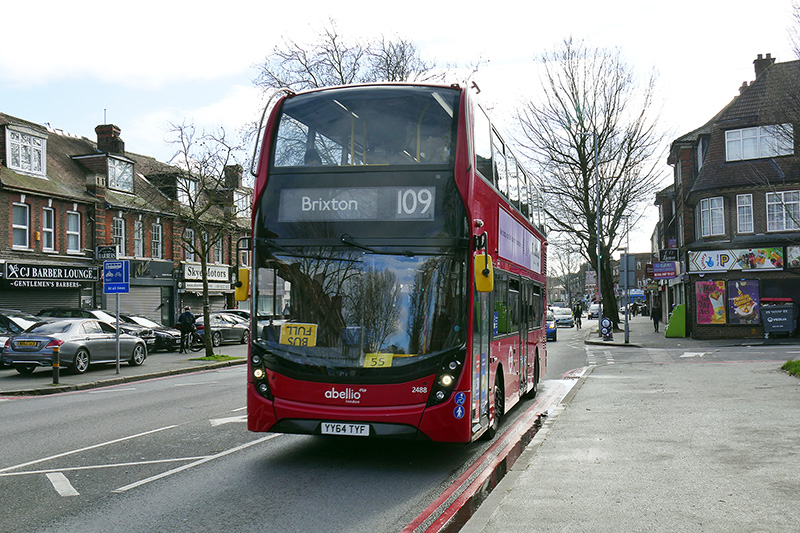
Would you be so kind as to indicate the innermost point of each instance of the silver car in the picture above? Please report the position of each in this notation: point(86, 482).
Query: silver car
point(80, 342)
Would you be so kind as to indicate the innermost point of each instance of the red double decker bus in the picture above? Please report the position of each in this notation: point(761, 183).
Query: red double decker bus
point(395, 255)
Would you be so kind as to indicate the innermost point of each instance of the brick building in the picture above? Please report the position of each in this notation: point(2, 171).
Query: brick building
point(733, 209)
point(62, 196)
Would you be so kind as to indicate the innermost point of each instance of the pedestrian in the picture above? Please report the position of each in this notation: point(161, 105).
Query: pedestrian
point(576, 314)
point(655, 314)
point(186, 326)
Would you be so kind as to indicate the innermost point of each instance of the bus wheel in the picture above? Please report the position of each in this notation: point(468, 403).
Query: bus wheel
point(499, 409)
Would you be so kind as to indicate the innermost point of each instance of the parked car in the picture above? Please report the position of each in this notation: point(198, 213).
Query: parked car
point(552, 327)
point(224, 328)
point(104, 316)
point(594, 311)
point(167, 338)
point(81, 342)
point(13, 322)
point(244, 313)
point(563, 317)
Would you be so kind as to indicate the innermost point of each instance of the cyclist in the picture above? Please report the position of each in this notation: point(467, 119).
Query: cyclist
point(576, 314)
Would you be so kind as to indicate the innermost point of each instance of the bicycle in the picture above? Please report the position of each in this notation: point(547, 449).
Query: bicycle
point(196, 342)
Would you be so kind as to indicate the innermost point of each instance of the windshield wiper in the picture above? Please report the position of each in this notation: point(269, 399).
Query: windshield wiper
point(347, 239)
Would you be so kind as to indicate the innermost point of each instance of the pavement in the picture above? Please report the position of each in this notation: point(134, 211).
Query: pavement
point(660, 446)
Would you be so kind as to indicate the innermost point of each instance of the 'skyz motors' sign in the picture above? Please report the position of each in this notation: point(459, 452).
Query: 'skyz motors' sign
point(48, 276)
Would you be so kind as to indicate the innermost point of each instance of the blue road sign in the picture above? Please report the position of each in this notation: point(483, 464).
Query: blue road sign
point(116, 277)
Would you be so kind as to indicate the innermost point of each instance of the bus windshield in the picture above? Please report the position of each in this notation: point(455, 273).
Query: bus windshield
point(350, 308)
point(379, 125)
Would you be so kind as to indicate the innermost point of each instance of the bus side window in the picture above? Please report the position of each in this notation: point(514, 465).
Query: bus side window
point(501, 303)
point(536, 319)
point(500, 170)
point(483, 145)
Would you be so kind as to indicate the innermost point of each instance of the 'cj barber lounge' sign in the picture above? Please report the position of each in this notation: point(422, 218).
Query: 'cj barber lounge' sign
point(48, 276)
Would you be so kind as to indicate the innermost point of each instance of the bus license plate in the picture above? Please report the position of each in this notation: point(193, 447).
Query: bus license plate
point(335, 428)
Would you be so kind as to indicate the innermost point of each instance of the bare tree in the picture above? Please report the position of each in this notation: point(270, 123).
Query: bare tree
point(564, 260)
point(205, 204)
point(592, 101)
point(336, 60)
point(399, 60)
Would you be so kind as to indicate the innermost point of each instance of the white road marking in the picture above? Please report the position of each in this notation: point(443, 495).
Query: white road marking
point(105, 391)
point(62, 484)
point(192, 384)
point(97, 467)
point(219, 421)
point(692, 354)
point(79, 450)
point(196, 463)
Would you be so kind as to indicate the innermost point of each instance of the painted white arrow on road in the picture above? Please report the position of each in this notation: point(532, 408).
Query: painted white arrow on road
point(229, 420)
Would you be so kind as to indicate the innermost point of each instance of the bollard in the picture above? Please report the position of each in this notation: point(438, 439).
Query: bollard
point(56, 365)
point(607, 329)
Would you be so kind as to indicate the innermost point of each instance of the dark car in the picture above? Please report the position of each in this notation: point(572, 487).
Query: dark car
point(167, 338)
point(104, 316)
point(80, 342)
point(552, 327)
point(224, 328)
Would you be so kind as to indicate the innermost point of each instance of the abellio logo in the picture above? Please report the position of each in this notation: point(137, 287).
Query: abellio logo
point(347, 395)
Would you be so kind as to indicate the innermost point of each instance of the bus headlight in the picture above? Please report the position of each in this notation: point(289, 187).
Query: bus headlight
point(258, 373)
point(445, 382)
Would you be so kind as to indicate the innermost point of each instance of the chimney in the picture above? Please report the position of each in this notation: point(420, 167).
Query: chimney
point(763, 63)
point(108, 140)
point(233, 176)
point(743, 87)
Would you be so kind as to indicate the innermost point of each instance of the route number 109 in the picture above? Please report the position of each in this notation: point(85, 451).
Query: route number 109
point(416, 202)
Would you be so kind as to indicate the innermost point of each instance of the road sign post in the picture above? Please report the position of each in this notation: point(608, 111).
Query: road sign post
point(116, 280)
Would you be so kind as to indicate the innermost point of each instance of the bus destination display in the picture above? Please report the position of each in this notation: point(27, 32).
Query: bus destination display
point(357, 204)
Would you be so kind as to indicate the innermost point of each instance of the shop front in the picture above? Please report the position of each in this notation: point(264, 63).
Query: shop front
point(31, 287)
point(152, 291)
point(190, 287)
point(728, 287)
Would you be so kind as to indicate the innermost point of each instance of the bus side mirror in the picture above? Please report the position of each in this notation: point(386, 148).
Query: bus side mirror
point(242, 285)
point(484, 273)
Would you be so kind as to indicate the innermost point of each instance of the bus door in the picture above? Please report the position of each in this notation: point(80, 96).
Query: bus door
point(524, 329)
point(481, 326)
point(515, 348)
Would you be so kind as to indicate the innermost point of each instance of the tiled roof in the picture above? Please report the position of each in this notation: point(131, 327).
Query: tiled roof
point(762, 102)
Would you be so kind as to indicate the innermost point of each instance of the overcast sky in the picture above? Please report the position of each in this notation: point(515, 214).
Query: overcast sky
point(142, 64)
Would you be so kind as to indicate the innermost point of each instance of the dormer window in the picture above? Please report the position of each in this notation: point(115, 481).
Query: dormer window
point(26, 152)
point(242, 202)
point(759, 142)
point(120, 174)
point(187, 189)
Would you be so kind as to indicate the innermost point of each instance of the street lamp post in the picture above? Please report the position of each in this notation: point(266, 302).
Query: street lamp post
point(599, 247)
point(627, 279)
